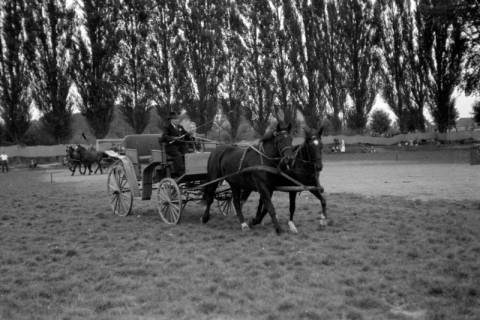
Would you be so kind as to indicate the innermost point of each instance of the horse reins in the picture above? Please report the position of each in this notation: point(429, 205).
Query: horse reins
point(308, 154)
point(261, 152)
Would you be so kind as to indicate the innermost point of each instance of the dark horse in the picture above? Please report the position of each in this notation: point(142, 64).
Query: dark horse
point(89, 157)
point(306, 167)
point(229, 161)
point(74, 159)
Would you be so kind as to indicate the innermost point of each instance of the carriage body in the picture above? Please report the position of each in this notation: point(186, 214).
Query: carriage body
point(145, 171)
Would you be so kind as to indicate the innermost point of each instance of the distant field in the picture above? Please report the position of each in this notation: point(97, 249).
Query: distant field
point(388, 255)
point(428, 154)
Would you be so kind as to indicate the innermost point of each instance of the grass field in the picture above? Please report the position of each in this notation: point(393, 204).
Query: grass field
point(388, 254)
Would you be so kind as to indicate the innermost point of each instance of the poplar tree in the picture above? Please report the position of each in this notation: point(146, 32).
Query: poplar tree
point(49, 29)
point(15, 98)
point(443, 45)
point(96, 44)
point(361, 60)
point(136, 92)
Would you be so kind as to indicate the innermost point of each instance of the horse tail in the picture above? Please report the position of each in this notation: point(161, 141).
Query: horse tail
point(214, 170)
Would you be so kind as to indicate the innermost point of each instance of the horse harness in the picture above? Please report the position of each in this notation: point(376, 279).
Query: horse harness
point(261, 151)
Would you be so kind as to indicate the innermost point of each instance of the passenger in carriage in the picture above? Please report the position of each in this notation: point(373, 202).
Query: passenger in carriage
point(174, 137)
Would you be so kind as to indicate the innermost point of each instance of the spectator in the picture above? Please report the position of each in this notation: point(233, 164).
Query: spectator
point(33, 164)
point(4, 162)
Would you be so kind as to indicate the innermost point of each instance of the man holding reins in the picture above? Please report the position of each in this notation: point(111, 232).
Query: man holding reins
point(174, 137)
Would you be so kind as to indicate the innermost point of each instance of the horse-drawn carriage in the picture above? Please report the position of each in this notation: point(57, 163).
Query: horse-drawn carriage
point(145, 171)
point(78, 156)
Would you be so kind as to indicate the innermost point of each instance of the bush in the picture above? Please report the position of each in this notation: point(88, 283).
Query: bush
point(380, 122)
point(476, 112)
point(37, 135)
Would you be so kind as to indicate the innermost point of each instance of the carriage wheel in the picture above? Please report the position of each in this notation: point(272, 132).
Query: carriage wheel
point(226, 206)
point(224, 199)
point(120, 191)
point(169, 201)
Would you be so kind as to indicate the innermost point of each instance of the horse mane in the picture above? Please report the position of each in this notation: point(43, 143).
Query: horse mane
point(271, 133)
point(267, 136)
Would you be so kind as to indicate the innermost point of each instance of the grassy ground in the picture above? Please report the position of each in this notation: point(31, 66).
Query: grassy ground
point(65, 256)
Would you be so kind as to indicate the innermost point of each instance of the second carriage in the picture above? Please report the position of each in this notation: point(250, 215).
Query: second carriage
point(146, 172)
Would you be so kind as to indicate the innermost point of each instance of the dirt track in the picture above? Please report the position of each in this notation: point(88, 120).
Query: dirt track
point(413, 180)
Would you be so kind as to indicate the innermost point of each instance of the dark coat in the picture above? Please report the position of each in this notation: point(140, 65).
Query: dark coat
point(170, 133)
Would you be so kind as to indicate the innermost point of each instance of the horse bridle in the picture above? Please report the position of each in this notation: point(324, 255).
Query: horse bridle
point(282, 151)
point(311, 160)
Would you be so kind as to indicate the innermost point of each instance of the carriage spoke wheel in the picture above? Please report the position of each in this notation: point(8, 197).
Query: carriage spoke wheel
point(169, 201)
point(225, 203)
point(224, 199)
point(120, 191)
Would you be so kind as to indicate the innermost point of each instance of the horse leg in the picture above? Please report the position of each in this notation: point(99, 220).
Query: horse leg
point(237, 195)
point(323, 215)
point(99, 166)
point(209, 195)
point(261, 212)
point(244, 196)
point(266, 196)
point(292, 195)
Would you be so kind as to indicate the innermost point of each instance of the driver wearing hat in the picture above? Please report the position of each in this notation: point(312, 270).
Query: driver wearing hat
point(173, 134)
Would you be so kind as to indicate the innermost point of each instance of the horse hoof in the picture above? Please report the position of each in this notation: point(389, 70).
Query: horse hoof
point(323, 223)
point(245, 226)
point(204, 220)
point(279, 231)
point(251, 222)
point(292, 227)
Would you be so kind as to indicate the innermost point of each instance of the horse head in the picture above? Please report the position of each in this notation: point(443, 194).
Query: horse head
point(313, 147)
point(70, 150)
point(282, 142)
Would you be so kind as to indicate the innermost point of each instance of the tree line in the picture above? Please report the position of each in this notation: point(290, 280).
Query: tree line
point(326, 59)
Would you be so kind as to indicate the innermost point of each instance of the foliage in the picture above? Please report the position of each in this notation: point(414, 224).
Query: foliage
point(49, 30)
point(305, 20)
point(37, 134)
point(469, 10)
point(96, 44)
point(476, 112)
point(163, 42)
point(333, 68)
point(403, 69)
point(443, 45)
point(15, 98)
point(261, 44)
point(201, 61)
point(251, 59)
point(136, 93)
point(380, 121)
point(234, 86)
point(361, 61)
